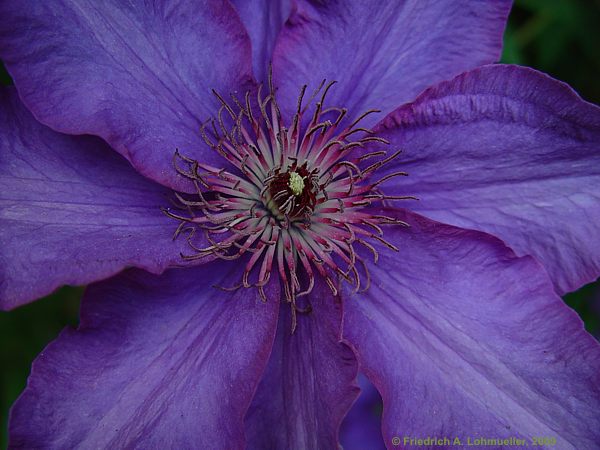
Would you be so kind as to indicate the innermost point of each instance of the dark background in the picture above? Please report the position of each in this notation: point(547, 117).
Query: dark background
point(559, 37)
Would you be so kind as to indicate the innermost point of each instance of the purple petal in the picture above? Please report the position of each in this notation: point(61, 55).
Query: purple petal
point(509, 151)
point(361, 428)
point(72, 211)
point(263, 20)
point(158, 362)
point(309, 384)
point(462, 338)
point(384, 53)
point(138, 74)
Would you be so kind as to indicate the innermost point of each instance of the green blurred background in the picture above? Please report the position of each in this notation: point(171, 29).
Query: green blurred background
point(559, 37)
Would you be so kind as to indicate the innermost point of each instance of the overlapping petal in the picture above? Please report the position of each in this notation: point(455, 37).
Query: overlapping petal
point(361, 428)
point(138, 74)
point(158, 362)
point(263, 20)
point(309, 383)
point(383, 54)
point(463, 338)
point(512, 152)
point(72, 211)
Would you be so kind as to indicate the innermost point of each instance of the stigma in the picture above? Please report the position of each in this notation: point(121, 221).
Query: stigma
point(296, 184)
point(297, 199)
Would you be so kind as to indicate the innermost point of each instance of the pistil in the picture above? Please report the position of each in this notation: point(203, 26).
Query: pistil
point(296, 184)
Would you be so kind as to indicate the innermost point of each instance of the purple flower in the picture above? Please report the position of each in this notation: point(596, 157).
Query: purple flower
point(122, 109)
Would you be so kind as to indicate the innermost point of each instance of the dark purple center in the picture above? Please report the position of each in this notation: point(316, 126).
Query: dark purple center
point(290, 198)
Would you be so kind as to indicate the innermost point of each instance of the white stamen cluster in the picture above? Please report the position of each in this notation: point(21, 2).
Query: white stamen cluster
point(296, 196)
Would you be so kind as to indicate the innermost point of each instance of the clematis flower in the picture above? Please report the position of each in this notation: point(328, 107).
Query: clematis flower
point(249, 235)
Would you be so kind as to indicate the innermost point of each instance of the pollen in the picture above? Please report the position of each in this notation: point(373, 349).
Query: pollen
point(296, 184)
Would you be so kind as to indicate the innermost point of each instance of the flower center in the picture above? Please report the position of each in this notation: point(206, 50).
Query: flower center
point(297, 200)
point(295, 183)
point(292, 194)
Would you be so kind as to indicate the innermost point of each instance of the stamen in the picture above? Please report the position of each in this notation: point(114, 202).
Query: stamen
point(292, 201)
